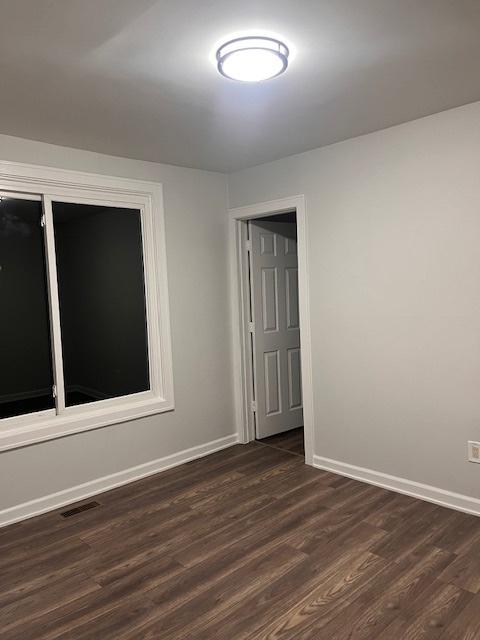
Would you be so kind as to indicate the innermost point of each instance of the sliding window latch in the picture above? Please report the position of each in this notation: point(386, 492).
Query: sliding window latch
point(42, 220)
point(54, 390)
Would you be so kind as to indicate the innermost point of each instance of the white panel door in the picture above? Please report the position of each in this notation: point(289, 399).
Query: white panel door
point(276, 329)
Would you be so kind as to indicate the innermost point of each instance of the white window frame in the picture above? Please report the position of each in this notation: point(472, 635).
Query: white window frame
point(49, 184)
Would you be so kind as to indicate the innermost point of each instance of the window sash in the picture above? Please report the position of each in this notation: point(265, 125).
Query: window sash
point(49, 185)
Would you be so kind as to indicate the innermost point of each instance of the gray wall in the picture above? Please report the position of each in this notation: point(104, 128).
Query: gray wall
point(196, 229)
point(394, 250)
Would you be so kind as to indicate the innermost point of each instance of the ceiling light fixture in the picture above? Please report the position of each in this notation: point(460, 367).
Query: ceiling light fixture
point(252, 58)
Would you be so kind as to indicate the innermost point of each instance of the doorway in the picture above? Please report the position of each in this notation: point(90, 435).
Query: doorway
point(271, 326)
point(274, 327)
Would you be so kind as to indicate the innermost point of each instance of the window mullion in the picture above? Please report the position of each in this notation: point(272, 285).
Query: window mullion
point(54, 306)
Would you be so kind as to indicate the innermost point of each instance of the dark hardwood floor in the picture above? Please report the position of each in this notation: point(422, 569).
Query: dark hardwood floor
point(249, 544)
point(292, 441)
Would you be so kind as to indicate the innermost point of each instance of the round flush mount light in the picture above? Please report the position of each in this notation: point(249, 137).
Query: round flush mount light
point(252, 58)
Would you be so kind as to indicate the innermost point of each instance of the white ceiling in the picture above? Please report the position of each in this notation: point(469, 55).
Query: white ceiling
point(135, 78)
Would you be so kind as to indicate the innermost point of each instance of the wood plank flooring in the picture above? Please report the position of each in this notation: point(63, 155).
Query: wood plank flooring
point(292, 441)
point(246, 544)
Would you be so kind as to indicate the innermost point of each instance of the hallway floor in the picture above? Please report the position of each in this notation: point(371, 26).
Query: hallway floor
point(287, 441)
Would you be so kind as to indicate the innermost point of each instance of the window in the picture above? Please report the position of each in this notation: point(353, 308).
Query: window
point(101, 296)
point(26, 374)
point(84, 327)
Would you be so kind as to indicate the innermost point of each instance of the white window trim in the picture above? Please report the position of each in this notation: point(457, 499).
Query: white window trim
point(52, 184)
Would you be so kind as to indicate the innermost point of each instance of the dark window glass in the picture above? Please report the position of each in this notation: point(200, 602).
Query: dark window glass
point(26, 376)
point(102, 301)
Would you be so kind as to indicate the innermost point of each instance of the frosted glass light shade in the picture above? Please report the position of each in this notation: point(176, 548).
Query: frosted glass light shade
point(252, 58)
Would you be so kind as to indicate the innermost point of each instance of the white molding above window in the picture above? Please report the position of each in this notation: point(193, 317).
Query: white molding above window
point(71, 186)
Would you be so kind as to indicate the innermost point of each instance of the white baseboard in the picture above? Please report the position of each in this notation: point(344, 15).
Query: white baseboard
point(87, 489)
point(457, 501)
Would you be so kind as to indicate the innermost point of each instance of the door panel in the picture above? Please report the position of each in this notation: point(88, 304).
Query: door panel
point(294, 379)
point(291, 246)
point(276, 338)
point(268, 244)
point(270, 299)
point(272, 382)
point(292, 298)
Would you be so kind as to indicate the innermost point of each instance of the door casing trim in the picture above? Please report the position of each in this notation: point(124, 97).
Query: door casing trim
point(242, 374)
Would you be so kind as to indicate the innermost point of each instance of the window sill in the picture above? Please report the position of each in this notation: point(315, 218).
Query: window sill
point(48, 426)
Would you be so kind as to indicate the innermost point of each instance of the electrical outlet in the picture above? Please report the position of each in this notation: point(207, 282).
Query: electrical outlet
point(474, 451)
